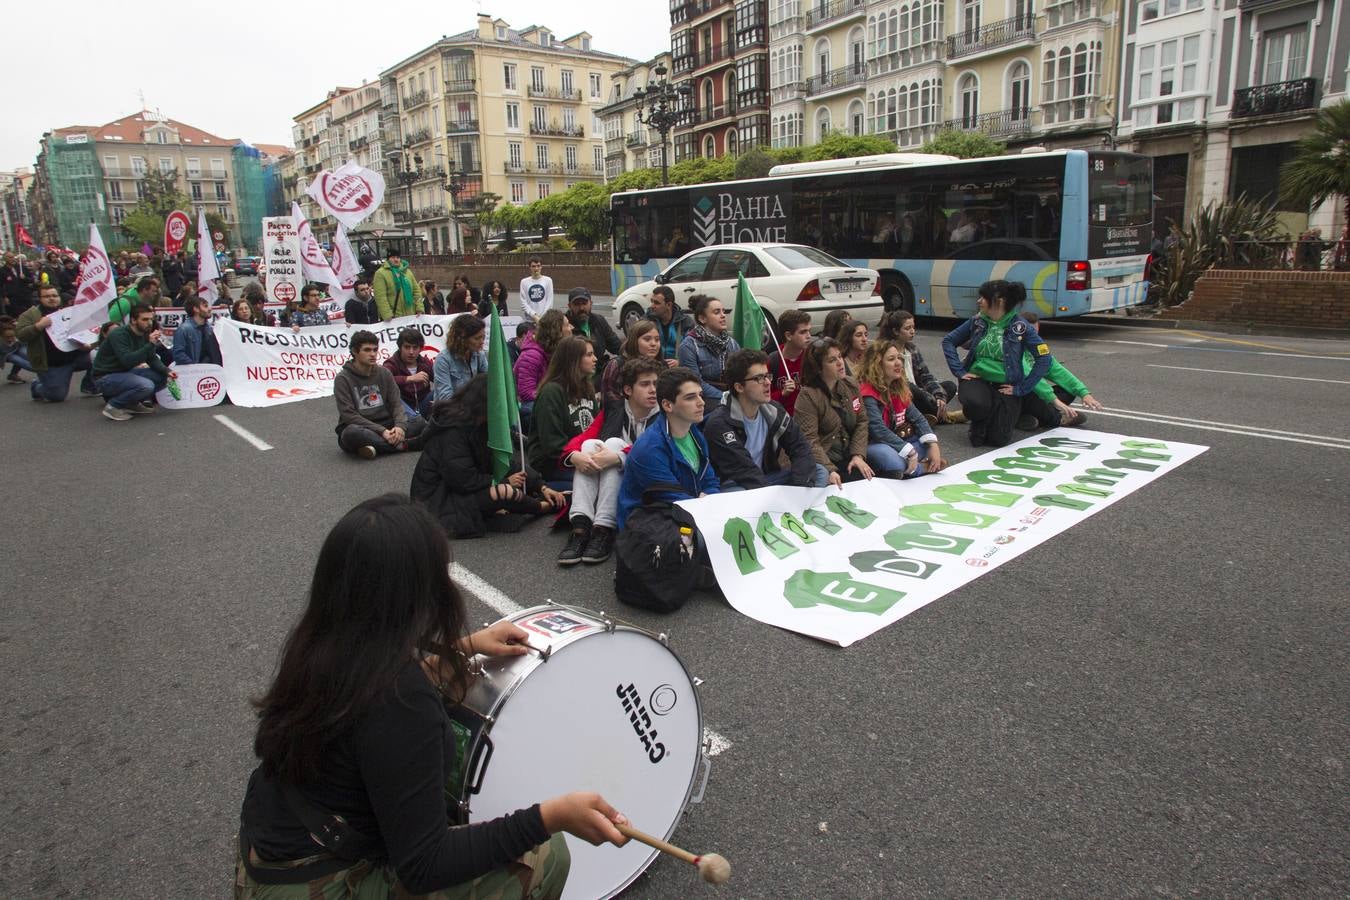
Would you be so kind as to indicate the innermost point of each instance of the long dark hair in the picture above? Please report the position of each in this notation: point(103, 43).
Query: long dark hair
point(487, 290)
point(813, 365)
point(468, 405)
point(564, 368)
point(381, 592)
point(462, 330)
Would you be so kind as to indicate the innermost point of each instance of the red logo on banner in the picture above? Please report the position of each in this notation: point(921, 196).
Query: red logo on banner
point(278, 393)
point(284, 291)
point(96, 277)
point(176, 228)
point(208, 387)
point(348, 193)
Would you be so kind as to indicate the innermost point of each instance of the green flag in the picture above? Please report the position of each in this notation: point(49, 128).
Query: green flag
point(503, 404)
point(747, 320)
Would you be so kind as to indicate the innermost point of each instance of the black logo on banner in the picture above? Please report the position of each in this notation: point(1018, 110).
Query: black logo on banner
point(641, 721)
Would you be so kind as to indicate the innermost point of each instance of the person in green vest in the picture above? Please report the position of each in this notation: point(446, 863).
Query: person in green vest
point(397, 290)
point(1059, 387)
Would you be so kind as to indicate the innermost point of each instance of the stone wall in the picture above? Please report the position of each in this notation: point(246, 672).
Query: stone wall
point(1283, 298)
point(568, 269)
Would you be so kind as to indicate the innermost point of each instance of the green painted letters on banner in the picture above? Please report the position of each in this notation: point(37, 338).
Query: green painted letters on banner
point(791, 523)
point(842, 506)
point(918, 536)
point(1100, 477)
point(891, 563)
point(1144, 445)
point(1031, 465)
point(806, 589)
point(1145, 454)
point(1046, 453)
point(1061, 502)
point(1083, 489)
point(1130, 464)
point(774, 539)
point(971, 493)
point(1003, 479)
point(741, 540)
point(942, 514)
point(1070, 443)
point(819, 521)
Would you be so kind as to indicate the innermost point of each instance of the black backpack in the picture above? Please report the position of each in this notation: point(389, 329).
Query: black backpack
point(658, 567)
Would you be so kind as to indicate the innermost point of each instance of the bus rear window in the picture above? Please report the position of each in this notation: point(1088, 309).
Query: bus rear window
point(1120, 190)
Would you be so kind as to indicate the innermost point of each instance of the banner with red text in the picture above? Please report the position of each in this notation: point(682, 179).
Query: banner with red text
point(840, 563)
point(270, 366)
point(348, 193)
point(95, 290)
point(176, 228)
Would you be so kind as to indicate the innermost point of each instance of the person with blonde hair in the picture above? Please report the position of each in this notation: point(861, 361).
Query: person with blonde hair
point(901, 443)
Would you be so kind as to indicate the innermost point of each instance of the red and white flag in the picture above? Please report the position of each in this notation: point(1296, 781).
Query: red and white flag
point(207, 270)
point(176, 228)
point(349, 193)
point(96, 289)
point(24, 237)
point(346, 265)
point(314, 265)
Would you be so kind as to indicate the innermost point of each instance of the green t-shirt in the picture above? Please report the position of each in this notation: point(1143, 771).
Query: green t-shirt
point(988, 362)
point(688, 448)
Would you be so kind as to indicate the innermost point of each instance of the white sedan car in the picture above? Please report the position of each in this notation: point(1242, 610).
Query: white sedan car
point(781, 276)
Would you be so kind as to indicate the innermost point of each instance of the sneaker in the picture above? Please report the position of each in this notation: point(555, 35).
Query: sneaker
point(91, 392)
point(112, 412)
point(1076, 420)
point(15, 379)
point(1027, 423)
point(954, 417)
point(141, 409)
point(600, 546)
point(932, 420)
point(366, 452)
point(577, 541)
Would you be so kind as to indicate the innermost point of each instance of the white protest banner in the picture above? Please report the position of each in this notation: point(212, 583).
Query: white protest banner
point(839, 564)
point(207, 270)
point(168, 318)
point(198, 386)
point(269, 366)
point(346, 265)
point(281, 256)
point(349, 193)
point(314, 263)
point(95, 290)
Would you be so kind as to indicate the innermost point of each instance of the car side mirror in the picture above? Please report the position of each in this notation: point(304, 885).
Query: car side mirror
point(659, 278)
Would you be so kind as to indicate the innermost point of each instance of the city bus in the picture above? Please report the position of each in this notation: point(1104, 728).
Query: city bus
point(1074, 226)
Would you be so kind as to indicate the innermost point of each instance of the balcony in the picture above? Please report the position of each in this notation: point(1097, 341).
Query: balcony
point(613, 146)
point(1004, 123)
point(553, 129)
point(916, 135)
point(357, 143)
point(1060, 13)
point(461, 86)
point(637, 139)
point(702, 115)
point(539, 92)
point(420, 136)
point(710, 56)
point(706, 9)
point(116, 172)
point(685, 62)
point(994, 36)
point(1078, 112)
point(916, 55)
point(412, 101)
point(830, 13)
point(462, 126)
point(1273, 99)
point(682, 11)
point(577, 171)
point(402, 216)
point(836, 80)
point(430, 173)
point(431, 212)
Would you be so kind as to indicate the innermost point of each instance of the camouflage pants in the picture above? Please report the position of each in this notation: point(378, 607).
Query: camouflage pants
point(538, 875)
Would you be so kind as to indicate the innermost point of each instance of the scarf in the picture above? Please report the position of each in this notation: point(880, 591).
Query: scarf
point(716, 343)
point(402, 283)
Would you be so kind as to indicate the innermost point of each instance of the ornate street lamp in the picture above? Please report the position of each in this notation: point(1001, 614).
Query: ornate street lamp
point(454, 186)
point(407, 168)
point(660, 106)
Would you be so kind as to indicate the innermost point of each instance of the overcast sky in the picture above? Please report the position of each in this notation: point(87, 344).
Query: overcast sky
point(242, 69)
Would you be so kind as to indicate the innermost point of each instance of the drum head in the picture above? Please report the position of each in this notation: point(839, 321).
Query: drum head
point(611, 712)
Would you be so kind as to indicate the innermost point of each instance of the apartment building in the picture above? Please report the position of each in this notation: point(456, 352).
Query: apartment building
point(630, 145)
point(720, 50)
point(13, 206)
point(491, 111)
point(1218, 93)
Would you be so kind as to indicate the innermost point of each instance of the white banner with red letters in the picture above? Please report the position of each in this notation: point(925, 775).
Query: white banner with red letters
point(348, 193)
point(840, 563)
point(270, 366)
point(78, 323)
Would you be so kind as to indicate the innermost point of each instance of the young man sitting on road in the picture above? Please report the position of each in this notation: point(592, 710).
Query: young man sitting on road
point(127, 368)
point(747, 432)
point(786, 366)
point(371, 420)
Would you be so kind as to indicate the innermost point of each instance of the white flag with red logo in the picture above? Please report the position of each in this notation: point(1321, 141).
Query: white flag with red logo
point(313, 263)
point(346, 265)
point(96, 289)
point(349, 193)
point(207, 270)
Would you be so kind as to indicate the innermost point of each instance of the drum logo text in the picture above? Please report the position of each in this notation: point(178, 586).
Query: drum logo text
point(641, 721)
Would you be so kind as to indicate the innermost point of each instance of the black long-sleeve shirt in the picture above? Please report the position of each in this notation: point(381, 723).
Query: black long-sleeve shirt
point(387, 778)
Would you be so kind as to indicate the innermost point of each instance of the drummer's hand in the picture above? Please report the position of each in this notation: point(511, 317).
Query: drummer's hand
point(585, 815)
point(501, 639)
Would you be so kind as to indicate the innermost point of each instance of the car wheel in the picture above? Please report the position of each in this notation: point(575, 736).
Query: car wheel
point(631, 313)
point(897, 295)
point(770, 333)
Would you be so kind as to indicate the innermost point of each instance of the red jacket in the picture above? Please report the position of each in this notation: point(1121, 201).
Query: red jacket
point(413, 394)
point(782, 369)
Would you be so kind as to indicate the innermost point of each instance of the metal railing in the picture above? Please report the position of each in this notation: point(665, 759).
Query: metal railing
point(637, 139)
point(821, 13)
point(553, 129)
point(1000, 123)
point(836, 79)
point(1306, 254)
point(548, 93)
point(929, 51)
point(702, 114)
point(420, 136)
point(714, 54)
point(992, 36)
point(358, 143)
point(1069, 12)
point(412, 101)
point(461, 85)
point(1279, 97)
point(461, 126)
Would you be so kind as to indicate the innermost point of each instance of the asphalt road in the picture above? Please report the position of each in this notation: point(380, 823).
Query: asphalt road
point(1152, 703)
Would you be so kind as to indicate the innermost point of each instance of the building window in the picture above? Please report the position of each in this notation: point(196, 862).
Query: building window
point(822, 56)
point(217, 168)
point(115, 190)
point(1071, 81)
point(857, 119)
point(140, 190)
point(822, 123)
point(509, 82)
point(165, 165)
point(595, 85)
point(1165, 69)
point(567, 82)
point(1019, 90)
point(1284, 54)
point(751, 82)
point(709, 147)
point(220, 190)
point(194, 168)
point(569, 119)
point(541, 155)
point(786, 66)
point(513, 117)
point(570, 157)
point(544, 189)
point(786, 130)
point(597, 157)
point(537, 77)
point(515, 154)
point(968, 88)
point(540, 118)
point(1152, 9)
point(138, 165)
point(517, 192)
point(501, 32)
point(196, 190)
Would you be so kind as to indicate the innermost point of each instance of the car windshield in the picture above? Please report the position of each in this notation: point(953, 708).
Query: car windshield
point(798, 257)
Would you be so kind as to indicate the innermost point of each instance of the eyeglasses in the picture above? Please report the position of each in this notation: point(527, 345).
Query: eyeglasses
point(764, 378)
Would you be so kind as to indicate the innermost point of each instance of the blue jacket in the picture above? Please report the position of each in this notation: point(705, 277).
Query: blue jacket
point(449, 373)
point(879, 430)
point(188, 340)
point(1019, 338)
point(708, 367)
point(654, 459)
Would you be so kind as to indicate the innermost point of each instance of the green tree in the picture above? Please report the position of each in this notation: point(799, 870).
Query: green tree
point(964, 145)
point(701, 170)
point(838, 145)
point(636, 180)
point(755, 163)
point(1321, 168)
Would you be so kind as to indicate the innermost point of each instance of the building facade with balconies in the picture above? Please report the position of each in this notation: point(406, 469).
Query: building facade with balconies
point(629, 144)
point(1219, 94)
point(720, 50)
point(492, 111)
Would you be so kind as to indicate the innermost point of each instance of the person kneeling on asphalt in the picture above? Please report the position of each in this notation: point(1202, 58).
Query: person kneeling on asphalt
point(51, 365)
point(747, 432)
point(598, 454)
point(127, 367)
point(1059, 387)
point(371, 419)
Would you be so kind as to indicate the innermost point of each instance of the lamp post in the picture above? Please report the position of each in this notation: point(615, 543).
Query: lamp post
point(407, 168)
point(455, 185)
point(659, 106)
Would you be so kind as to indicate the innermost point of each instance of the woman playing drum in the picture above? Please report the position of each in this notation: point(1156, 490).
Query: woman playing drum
point(356, 746)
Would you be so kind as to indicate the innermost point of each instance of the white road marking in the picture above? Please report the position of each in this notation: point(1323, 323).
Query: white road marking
point(1245, 431)
point(716, 743)
point(1257, 428)
point(1252, 374)
point(1205, 349)
point(243, 432)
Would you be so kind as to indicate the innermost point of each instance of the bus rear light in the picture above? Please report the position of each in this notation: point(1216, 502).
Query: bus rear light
point(876, 288)
point(1079, 277)
point(1148, 268)
point(810, 292)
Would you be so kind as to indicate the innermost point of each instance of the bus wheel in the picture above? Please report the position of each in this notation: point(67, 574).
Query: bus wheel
point(631, 313)
point(897, 295)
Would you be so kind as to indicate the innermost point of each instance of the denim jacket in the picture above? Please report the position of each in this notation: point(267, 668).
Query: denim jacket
point(693, 355)
point(452, 373)
point(1019, 338)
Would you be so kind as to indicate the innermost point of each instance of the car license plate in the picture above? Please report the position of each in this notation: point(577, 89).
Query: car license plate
point(1115, 279)
point(847, 287)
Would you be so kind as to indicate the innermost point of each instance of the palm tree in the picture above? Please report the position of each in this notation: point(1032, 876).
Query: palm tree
point(1321, 168)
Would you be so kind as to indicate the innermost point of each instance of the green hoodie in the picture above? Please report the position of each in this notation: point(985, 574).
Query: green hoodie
point(397, 291)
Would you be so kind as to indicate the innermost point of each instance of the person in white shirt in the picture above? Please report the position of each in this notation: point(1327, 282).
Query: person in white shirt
point(536, 292)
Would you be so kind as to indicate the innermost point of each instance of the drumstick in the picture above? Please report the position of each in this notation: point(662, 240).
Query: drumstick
point(712, 868)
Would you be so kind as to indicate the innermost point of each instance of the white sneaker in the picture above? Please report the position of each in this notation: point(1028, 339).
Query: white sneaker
point(141, 409)
point(117, 415)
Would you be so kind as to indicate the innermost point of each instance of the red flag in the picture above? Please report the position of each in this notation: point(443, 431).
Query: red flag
point(176, 228)
point(24, 237)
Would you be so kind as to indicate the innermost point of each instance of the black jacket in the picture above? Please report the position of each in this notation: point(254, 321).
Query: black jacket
point(16, 286)
point(724, 429)
point(604, 339)
point(361, 313)
point(173, 276)
point(454, 468)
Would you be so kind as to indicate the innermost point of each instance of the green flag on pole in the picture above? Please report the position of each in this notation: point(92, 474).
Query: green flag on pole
point(503, 404)
point(747, 320)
